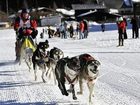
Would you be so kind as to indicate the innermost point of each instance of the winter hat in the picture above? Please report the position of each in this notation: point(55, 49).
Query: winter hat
point(26, 17)
point(24, 10)
point(120, 19)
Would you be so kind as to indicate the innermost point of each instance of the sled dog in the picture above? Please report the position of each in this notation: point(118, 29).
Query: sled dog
point(39, 58)
point(89, 72)
point(67, 71)
point(54, 55)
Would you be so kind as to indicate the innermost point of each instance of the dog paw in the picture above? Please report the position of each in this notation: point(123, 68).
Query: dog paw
point(69, 90)
point(35, 78)
point(65, 93)
point(74, 97)
point(44, 81)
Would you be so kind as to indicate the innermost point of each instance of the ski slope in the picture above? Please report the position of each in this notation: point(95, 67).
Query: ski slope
point(118, 83)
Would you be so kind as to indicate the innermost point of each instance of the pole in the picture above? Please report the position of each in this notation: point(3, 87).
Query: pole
point(134, 9)
point(7, 8)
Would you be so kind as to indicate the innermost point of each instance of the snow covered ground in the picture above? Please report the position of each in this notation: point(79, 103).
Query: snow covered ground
point(118, 83)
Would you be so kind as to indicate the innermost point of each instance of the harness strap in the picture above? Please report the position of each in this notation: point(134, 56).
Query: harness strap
point(69, 79)
point(43, 54)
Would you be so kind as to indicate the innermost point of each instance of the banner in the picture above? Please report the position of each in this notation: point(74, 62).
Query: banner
point(127, 4)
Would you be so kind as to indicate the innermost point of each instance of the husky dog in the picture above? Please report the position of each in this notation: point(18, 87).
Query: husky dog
point(88, 72)
point(67, 71)
point(39, 58)
point(26, 54)
point(54, 55)
point(51, 64)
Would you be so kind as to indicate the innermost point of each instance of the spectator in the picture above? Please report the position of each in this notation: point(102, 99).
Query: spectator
point(85, 28)
point(65, 30)
point(135, 27)
point(81, 35)
point(77, 28)
point(125, 31)
point(71, 31)
point(61, 28)
point(121, 29)
point(103, 27)
point(49, 32)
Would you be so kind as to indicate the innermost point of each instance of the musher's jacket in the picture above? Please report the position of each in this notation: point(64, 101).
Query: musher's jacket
point(20, 23)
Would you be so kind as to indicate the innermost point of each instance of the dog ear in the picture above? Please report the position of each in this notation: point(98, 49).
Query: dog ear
point(97, 62)
point(46, 41)
point(54, 47)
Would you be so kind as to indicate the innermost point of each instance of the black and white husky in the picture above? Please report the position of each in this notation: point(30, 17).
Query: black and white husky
point(54, 55)
point(67, 71)
point(39, 59)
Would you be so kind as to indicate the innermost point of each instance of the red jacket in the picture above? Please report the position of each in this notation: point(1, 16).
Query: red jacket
point(122, 25)
point(19, 22)
point(81, 26)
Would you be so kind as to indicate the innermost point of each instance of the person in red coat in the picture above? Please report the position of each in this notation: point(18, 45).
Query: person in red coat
point(81, 35)
point(121, 29)
point(24, 26)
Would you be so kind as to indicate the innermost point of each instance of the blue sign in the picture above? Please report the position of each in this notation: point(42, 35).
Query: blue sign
point(127, 4)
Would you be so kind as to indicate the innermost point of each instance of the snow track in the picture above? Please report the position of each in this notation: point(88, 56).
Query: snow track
point(118, 83)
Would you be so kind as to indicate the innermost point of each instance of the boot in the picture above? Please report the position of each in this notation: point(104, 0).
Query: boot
point(119, 44)
point(122, 42)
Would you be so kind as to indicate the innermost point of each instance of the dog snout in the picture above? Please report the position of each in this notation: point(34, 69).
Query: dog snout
point(95, 67)
point(58, 57)
point(94, 70)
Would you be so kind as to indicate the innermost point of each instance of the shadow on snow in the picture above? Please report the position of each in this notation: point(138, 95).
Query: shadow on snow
point(6, 63)
point(14, 102)
point(7, 73)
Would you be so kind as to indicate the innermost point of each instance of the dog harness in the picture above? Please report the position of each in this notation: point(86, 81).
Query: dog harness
point(88, 58)
point(71, 80)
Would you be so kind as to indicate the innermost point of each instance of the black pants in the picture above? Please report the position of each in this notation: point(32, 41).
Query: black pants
point(135, 32)
point(121, 38)
point(125, 34)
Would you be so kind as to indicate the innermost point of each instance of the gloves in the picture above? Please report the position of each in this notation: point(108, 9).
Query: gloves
point(27, 32)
